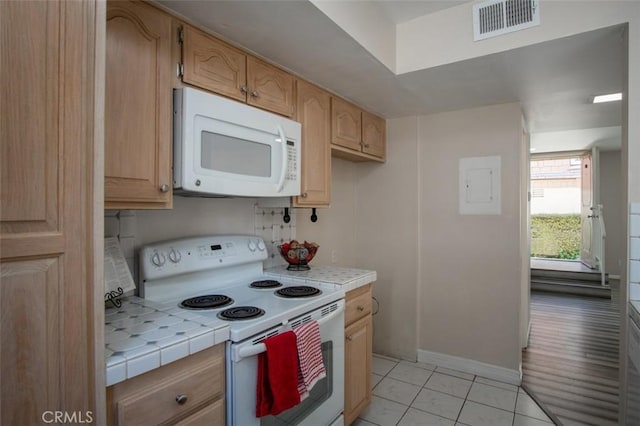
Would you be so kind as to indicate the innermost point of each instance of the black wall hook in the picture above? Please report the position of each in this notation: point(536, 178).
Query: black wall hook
point(314, 216)
point(286, 216)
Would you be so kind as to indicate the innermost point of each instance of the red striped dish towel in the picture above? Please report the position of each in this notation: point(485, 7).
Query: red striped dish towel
point(309, 357)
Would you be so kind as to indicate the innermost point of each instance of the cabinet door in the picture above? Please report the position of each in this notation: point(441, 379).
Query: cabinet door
point(213, 65)
point(314, 113)
point(269, 87)
point(346, 124)
point(211, 415)
point(373, 134)
point(49, 208)
point(357, 367)
point(151, 398)
point(357, 304)
point(156, 402)
point(138, 107)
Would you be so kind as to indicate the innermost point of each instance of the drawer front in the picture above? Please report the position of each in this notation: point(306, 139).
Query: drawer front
point(158, 403)
point(358, 304)
point(211, 415)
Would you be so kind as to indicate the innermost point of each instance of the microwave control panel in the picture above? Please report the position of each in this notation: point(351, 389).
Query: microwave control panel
point(292, 161)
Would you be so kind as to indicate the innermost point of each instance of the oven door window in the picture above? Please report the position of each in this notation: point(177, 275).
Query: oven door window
point(228, 154)
point(318, 395)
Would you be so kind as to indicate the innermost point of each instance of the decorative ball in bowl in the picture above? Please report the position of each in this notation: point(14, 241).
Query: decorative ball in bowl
point(298, 255)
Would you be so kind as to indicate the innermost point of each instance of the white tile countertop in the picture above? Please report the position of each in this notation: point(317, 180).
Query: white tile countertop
point(142, 335)
point(346, 279)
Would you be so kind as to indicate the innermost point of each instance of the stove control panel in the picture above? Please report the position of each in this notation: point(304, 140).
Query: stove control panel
point(182, 256)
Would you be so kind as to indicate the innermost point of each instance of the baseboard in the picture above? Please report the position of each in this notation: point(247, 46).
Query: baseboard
point(478, 368)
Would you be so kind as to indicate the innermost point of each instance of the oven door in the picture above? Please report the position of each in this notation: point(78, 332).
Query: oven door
point(325, 402)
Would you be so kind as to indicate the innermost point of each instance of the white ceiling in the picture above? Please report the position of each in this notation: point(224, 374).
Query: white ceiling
point(400, 11)
point(554, 81)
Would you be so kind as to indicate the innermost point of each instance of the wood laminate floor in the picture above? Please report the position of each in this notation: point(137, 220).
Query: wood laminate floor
point(571, 363)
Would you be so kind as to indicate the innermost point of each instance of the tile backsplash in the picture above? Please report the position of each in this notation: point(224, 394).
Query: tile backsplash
point(269, 224)
point(122, 224)
point(634, 251)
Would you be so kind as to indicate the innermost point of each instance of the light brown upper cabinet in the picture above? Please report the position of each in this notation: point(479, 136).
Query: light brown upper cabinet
point(356, 135)
point(373, 134)
point(346, 124)
point(214, 65)
point(314, 113)
point(138, 107)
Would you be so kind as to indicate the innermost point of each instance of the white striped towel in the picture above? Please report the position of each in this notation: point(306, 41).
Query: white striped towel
point(309, 356)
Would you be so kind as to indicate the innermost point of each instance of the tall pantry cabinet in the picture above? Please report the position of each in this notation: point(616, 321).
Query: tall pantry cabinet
point(51, 208)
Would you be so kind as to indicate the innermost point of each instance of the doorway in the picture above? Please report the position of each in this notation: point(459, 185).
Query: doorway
point(567, 224)
point(556, 183)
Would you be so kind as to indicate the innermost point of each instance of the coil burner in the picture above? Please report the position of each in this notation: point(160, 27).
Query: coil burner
point(241, 313)
point(266, 284)
point(298, 291)
point(208, 301)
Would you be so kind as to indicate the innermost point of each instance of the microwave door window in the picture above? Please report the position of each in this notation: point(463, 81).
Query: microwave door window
point(228, 154)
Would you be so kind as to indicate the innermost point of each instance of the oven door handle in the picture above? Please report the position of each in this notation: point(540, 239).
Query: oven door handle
point(258, 348)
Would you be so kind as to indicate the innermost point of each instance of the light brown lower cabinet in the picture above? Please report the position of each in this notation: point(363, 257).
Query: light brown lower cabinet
point(189, 391)
point(358, 335)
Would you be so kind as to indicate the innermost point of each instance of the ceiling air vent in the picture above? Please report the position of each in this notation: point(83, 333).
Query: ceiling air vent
point(495, 17)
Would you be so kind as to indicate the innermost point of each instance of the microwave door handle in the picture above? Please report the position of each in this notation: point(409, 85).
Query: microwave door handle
point(285, 159)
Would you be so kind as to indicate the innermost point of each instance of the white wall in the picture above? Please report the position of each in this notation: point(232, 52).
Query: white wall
point(335, 228)
point(557, 201)
point(419, 41)
point(446, 283)
point(611, 198)
point(388, 233)
point(193, 216)
point(525, 239)
point(367, 24)
point(470, 285)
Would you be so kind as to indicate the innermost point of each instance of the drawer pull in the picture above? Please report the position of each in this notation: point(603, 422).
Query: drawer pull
point(360, 308)
point(349, 338)
point(181, 399)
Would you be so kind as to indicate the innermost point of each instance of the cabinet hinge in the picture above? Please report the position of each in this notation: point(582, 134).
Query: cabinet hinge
point(180, 35)
point(180, 70)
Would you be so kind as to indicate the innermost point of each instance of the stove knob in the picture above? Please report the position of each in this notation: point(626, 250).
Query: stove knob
point(174, 256)
point(261, 245)
point(158, 259)
point(252, 245)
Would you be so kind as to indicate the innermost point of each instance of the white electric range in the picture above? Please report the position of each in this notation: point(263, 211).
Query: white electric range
point(221, 277)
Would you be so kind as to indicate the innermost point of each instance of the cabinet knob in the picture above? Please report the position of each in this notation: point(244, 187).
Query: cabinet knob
point(360, 308)
point(181, 399)
point(164, 188)
point(366, 145)
point(349, 338)
point(244, 89)
point(304, 195)
point(255, 94)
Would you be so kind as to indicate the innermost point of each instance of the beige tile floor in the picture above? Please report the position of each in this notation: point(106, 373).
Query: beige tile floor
point(418, 394)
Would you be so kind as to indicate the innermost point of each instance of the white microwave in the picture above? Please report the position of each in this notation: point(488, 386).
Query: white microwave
point(225, 148)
